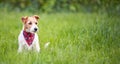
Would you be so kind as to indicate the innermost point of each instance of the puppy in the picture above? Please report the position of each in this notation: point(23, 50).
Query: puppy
point(28, 38)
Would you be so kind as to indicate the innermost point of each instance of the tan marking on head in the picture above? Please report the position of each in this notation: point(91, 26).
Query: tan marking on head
point(36, 17)
point(24, 19)
point(29, 21)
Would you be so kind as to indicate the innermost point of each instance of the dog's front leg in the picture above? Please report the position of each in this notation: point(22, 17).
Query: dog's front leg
point(37, 47)
point(20, 48)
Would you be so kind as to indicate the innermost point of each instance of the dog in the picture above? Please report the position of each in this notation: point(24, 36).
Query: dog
point(28, 38)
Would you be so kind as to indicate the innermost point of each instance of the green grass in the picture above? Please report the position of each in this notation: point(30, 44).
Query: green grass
point(75, 38)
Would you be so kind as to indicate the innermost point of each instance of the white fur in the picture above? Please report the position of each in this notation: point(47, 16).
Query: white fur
point(32, 28)
point(47, 44)
point(24, 46)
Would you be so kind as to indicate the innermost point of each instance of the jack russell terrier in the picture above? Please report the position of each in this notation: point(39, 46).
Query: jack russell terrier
point(28, 38)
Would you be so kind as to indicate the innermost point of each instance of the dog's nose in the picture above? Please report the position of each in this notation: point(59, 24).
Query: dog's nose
point(35, 29)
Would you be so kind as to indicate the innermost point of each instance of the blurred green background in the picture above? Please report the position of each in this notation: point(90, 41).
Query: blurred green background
point(48, 6)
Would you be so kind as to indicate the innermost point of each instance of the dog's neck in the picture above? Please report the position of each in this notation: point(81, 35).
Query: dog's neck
point(29, 37)
point(27, 33)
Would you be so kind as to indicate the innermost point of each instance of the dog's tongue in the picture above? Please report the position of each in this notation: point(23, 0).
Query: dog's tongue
point(29, 37)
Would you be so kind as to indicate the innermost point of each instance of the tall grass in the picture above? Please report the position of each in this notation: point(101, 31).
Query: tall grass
point(79, 38)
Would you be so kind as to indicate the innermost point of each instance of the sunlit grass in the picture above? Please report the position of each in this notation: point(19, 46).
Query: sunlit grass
point(75, 38)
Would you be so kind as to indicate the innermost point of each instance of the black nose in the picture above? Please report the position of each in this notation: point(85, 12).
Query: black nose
point(35, 29)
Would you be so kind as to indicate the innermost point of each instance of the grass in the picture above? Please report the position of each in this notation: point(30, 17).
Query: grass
point(75, 38)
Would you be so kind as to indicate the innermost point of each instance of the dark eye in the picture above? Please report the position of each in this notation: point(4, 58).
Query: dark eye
point(30, 23)
point(36, 23)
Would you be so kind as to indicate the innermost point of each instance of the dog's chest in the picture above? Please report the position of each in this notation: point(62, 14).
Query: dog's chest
point(28, 40)
point(29, 37)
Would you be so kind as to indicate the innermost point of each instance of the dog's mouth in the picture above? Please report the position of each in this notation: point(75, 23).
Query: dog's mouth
point(33, 30)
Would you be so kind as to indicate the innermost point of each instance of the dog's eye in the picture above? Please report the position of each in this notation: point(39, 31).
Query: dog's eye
point(30, 23)
point(36, 23)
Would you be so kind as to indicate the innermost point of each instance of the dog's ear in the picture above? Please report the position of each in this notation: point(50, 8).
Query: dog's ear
point(36, 17)
point(24, 19)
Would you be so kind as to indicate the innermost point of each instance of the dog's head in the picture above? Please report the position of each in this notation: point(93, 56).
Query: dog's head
point(30, 23)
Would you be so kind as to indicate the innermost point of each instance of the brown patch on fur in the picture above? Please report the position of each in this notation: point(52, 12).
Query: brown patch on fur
point(36, 16)
point(29, 21)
